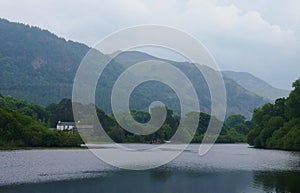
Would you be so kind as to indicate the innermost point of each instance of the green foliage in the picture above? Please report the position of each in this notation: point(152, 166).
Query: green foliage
point(117, 134)
point(37, 112)
point(292, 138)
point(235, 129)
point(238, 123)
point(23, 124)
point(18, 130)
point(60, 112)
point(293, 102)
point(35, 64)
point(231, 136)
point(169, 127)
point(234, 120)
point(278, 125)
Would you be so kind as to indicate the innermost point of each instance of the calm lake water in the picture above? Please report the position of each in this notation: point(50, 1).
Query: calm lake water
point(226, 168)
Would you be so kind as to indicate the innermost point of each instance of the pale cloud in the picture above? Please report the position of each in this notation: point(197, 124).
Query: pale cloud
point(258, 30)
point(199, 16)
point(230, 21)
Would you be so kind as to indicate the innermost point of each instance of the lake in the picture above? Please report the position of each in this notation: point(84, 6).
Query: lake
point(225, 168)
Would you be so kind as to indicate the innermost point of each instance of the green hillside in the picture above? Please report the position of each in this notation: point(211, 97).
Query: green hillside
point(35, 64)
point(239, 99)
point(40, 67)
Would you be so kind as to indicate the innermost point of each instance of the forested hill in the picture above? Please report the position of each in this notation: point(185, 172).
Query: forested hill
point(35, 64)
point(278, 125)
point(40, 67)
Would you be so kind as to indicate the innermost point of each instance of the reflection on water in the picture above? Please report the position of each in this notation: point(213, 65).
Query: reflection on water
point(147, 182)
point(227, 168)
point(281, 181)
point(159, 180)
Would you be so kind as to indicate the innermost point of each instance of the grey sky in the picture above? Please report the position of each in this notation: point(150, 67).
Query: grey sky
point(258, 36)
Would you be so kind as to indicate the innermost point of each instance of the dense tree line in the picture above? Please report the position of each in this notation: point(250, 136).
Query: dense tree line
point(235, 128)
point(27, 124)
point(24, 124)
point(278, 125)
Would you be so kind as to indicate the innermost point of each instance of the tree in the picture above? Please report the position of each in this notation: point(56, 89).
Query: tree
point(25, 124)
point(293, 102)
point(234, 120)
point(60, 112)
point(238, 123)
point(117, 134)
point(278, 125)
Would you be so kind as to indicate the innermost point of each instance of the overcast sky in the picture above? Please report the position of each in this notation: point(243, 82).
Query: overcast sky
point(258, 36)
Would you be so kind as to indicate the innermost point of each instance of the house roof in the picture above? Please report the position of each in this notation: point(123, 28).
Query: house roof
point(66, 123)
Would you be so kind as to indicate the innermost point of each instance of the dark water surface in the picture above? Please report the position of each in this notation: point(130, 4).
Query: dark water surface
point(226, 168)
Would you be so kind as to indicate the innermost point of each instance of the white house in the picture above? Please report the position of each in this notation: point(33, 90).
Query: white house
point(65, 126)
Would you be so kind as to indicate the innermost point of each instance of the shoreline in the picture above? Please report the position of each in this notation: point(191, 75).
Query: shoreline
point(42, 148)
point(83, 147)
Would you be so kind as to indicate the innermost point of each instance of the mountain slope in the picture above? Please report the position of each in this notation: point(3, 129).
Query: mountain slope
point(40, 67)
point(35, 64)
point(239, 99)
point(256, 85)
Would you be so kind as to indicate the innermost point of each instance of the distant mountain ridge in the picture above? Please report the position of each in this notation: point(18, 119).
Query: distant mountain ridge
point(239, 99)
point(256, 85)
point(40, 67)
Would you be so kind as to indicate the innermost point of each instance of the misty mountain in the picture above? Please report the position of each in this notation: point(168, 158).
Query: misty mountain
point(40, 67)
point(239, 99)
point(256, 85)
